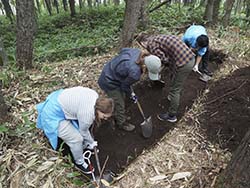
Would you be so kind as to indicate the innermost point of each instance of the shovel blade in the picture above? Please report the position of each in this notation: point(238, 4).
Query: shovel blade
point(147, 127)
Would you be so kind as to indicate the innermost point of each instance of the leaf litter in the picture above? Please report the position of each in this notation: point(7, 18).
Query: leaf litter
point(182, 158)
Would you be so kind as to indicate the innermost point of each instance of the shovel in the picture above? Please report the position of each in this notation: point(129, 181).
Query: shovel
point(204, 77)
point(146, 125)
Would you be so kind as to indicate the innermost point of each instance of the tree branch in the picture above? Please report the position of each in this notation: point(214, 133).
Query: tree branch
point(160, 5)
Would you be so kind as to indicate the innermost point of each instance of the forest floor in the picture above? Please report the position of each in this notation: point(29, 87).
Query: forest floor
point(212, 120)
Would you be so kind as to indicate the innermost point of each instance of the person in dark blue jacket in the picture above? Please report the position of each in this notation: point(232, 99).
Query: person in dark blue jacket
point(120, 73)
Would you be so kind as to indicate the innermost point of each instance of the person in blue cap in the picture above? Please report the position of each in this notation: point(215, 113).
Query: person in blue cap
point(196, 38)
point(120, 73)
point(68, 114)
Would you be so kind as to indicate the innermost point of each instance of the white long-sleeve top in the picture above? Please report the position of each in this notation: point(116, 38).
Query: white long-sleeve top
point(78, 103)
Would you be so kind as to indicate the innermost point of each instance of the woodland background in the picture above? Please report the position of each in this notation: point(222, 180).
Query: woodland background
point(42, 36)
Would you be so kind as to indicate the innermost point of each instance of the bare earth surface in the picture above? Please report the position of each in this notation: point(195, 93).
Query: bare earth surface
point(191, 153)
point(226, 117)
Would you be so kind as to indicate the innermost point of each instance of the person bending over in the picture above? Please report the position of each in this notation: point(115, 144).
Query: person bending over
point(68, 114)
point(120, 73)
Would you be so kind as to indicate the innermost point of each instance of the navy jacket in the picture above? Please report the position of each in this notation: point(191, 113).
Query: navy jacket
point(121, 72)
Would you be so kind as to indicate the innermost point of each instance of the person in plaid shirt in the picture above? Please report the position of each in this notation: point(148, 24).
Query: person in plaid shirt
point(174, 53)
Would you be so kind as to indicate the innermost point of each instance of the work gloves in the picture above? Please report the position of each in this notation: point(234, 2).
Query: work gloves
point(92, 145)
point(133, 97)
point(196, 68)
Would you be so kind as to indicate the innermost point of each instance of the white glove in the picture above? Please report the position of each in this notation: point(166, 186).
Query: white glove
point(195, 68)
point(92, 145)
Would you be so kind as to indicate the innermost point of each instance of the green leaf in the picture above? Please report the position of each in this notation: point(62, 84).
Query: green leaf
point(3, 129)
point(73, 174)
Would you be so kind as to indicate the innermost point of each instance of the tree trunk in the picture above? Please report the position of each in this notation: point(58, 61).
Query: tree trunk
point(3, 56)
point(57, 6)
point(216, 10)
point(237, 173)
point(89, 3)
point(48, 6)
point(65, 5)
point(3, 106)
point(25, 33)
point(8, 10)
point(144, 18)
point(80, 4)
point(116, 2)
point(72, 8)
point(247, 8)
point(228, 9)
point(238, 6)
point(208, 16)
point(38, 6)
point(105, 3)
point(132, 12)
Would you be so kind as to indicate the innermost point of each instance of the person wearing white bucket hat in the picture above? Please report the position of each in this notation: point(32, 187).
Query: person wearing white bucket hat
point(123, 71)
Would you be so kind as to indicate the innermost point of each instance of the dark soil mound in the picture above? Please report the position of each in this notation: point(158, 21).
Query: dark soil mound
point(227, 116)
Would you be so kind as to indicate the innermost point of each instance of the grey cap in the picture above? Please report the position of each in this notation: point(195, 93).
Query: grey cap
point(153, 64)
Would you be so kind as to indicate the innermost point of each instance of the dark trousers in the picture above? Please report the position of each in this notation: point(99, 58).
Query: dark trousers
point(176, 86)
point(119, 112)
point(203, 66)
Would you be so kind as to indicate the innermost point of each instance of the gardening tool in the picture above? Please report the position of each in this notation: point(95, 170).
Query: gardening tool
point(203, 77)
point(86, 156)
point(146, 125)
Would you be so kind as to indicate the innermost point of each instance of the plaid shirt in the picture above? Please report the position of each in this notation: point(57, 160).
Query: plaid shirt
point(170, 49)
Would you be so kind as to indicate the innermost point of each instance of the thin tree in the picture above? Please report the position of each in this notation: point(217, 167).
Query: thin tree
point(3, 55)
point(132, 13)
point(144, 15)
point(227, 12)
point(3, 106)
point(48, 6)
point(38, 6)
point(237, 173)
point(56, 4)
point(72, 8)
point(8, 10)
point(89, 3)
point(26, 26)
point(65, 5)
point(80, 4)
point(247, 2)
point(216, 10)
point(117, 2)
point(208, 16)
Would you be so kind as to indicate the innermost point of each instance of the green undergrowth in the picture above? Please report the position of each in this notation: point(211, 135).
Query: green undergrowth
point(96, 30)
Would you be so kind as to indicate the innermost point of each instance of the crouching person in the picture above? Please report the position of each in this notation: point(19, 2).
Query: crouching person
point(120, 73)
point(68, 114)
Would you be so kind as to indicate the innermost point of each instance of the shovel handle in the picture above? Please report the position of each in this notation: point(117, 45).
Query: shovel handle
point(140, 109)
point(97, 160)
point(139, 105)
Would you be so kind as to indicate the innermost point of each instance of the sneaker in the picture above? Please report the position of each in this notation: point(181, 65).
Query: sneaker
point(167, 117)
point(84, 168)
point(128, 127)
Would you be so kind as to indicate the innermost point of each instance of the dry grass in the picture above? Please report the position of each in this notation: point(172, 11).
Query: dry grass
point(183, 158)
